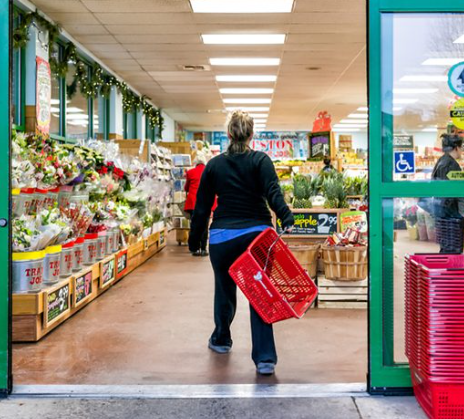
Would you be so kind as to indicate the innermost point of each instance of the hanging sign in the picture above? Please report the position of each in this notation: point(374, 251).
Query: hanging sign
point(457, 175)
point(313, 224)
point(43, 96)
point(57, 304)
point(319, 144)
point(83, 287)
point(403, 142)
point(277, 145)
point(456, 79)
point(107, 272)
point(405, 162)
point(323, 122)
point(457, 114)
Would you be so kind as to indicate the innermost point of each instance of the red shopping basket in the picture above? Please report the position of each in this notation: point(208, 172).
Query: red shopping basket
point(273, 281)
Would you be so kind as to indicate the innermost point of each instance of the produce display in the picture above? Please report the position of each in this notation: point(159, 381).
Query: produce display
point(68, 196)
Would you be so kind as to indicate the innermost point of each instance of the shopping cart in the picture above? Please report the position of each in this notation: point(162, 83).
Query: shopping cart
point(435, 332)
point(272, 279)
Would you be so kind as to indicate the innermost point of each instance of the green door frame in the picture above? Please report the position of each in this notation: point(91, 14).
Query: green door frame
point(6, 14)
point(386, 376)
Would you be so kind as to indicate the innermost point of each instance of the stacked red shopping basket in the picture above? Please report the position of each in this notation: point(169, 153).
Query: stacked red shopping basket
point(435, 332)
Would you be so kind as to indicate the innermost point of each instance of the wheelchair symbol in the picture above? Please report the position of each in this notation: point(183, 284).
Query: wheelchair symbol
point(403, 165)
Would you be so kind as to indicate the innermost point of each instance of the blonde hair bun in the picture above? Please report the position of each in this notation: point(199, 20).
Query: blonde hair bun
point(240, 130)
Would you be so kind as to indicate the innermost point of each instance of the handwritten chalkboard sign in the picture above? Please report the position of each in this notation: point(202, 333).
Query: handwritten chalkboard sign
point(313, 224)
point(83, 287)
point(319, 144)
point(162, 238)
point(57, 303)
point(122, 264)
point(107, 272)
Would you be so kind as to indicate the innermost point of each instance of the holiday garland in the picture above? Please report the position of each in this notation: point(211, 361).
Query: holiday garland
point(90, 87)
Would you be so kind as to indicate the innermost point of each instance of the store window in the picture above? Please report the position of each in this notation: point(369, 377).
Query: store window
point(56, 106)
point(130, 125)
point(419, 53)
point(77, 110)
point(18, 74)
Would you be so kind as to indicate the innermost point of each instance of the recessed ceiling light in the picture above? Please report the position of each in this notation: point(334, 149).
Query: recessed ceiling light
point(259, 115)
point(244, 39)
point(442, 61)
point(350, 126)
point(245, 61)
point(424, 78)
point(248, 108)
point(247, 100)
point(404, 101)
point(245, 91)
point(242, 6)
point(352, 121)
point(413, 91)
point(363, 109)
point(247, 79)
point(358, 116)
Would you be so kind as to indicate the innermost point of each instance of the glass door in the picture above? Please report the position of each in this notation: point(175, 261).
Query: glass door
point(416, 91)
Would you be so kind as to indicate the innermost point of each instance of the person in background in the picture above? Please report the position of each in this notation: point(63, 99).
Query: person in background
point(448, 208)
point(245, 182)
point(192, 184)
point(327, 165)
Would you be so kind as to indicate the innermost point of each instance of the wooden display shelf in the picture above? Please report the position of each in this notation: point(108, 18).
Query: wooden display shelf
point(342, 294)
point(37, 314)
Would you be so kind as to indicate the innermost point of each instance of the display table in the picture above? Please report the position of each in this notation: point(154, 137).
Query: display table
point(37, 314)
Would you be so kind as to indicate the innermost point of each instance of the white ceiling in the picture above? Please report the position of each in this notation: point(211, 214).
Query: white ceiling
point(147, 41)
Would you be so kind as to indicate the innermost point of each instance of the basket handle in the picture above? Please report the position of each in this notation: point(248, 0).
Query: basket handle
point(272, 246)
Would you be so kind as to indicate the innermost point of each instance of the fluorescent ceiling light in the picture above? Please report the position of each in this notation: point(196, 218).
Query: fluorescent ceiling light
point(77, 117)
point(432, 129)
point(245, 61)
point(350, 126)
point(73, 110)
point(358, 116)
point(244, 91)
point(363, 109)
point(259, 115)
point(247, 79)
point(248, 108)
point(346, 129)
point(259, 121)
point(55, 101)
point(244, 39)
point(247, 101)
point(260, 126)
point(242, 6)
point(413, 91)
point(397, 108)
point(442, 61)
point(404, 101)
point(52, 109)
point(460, 40)
point(352, 121)
point(424, 78)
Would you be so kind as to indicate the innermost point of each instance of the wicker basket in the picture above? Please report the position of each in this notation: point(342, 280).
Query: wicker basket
point(345, 263)
point(308, 256)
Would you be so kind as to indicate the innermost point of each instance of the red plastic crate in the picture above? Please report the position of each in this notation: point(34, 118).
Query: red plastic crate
point(284, 290)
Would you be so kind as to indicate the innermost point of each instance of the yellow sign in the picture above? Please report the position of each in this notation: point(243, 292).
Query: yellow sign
point(457, 114)
point(455, 175)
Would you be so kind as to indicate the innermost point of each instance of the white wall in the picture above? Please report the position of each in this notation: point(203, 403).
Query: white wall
point(359, 139)
point(169, 131)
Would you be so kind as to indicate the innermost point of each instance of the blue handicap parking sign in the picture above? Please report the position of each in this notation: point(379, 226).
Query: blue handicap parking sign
point(405, 162)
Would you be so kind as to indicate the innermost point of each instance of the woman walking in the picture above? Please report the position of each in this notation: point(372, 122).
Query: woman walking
point(244, 181)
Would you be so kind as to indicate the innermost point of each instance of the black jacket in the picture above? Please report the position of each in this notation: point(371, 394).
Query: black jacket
point(244, 184)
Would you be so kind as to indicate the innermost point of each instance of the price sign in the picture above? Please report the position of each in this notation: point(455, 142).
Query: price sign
point(83, 287)
point(57, 304)
point(313, 224)
point(121, 264)
point(107, 272)
point(319, 144)
point(162, 238)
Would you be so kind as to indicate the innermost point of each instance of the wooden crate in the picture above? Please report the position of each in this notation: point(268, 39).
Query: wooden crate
point(342, 294)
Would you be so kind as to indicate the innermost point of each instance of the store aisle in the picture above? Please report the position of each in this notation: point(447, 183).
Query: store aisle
point(153, 328)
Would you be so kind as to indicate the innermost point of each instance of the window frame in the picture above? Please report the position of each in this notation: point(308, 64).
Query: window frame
point(21, 85)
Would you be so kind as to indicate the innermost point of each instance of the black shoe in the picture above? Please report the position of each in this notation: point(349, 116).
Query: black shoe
point(197, 253)
point(219, 349)
point(204, 253)
point(265, 368)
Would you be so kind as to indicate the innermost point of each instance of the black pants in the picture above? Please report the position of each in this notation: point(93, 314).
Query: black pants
point(222, 256)
point(204, 237)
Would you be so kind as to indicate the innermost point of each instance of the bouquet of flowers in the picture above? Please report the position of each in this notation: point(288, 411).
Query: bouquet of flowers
point(25, 235)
